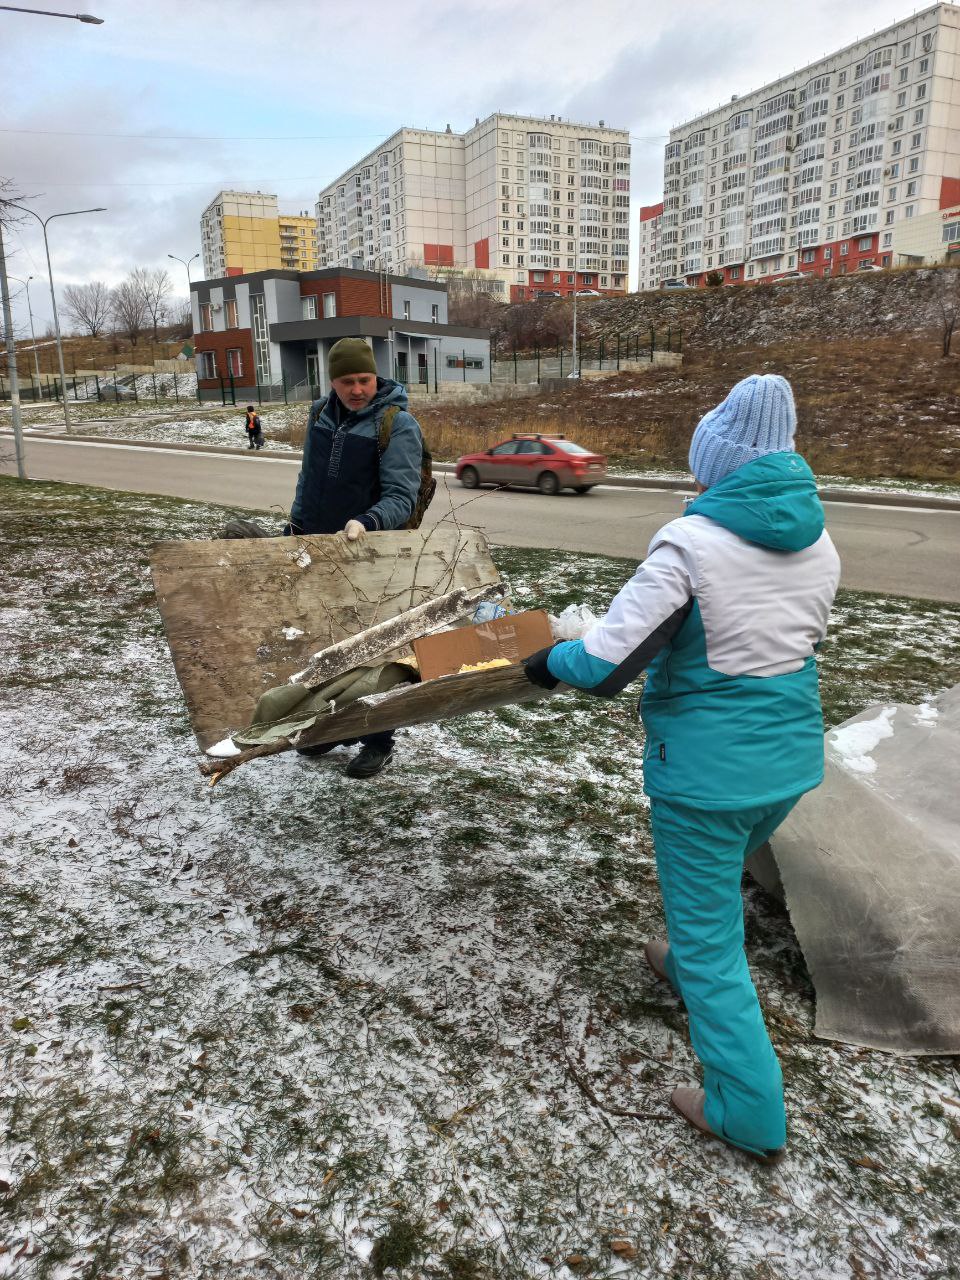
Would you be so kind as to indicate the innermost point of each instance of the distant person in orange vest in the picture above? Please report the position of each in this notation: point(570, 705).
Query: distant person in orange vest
point(254, 428)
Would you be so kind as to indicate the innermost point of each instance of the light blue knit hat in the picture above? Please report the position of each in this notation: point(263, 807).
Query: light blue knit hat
point(757, 417)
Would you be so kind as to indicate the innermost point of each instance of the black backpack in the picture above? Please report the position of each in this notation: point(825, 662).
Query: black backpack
point(428, 483)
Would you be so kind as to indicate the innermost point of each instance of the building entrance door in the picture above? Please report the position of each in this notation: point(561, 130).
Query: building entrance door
point(422, 375)
point(313, 369)
point(402, 367)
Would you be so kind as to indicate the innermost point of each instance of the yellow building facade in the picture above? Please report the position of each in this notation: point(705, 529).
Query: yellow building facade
point(243, 231)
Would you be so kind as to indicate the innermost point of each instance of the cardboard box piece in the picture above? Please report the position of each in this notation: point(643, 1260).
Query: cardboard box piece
point(514, 637)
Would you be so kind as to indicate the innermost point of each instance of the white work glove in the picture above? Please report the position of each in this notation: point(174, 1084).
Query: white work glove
point(353, 530)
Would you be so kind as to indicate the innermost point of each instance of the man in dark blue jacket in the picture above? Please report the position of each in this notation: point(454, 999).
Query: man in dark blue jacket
point(346, 484)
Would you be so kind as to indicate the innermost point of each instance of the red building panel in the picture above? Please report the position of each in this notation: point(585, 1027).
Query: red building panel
point(481, 254)
point(220, 344)
point(354, 297)
point(438, 255)
point(648, 211)
point(949, 192)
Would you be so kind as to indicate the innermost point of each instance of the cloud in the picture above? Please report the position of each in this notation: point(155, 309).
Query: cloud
point(351, 76)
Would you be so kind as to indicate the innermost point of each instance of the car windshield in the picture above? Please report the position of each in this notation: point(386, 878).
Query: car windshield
point(569, 447)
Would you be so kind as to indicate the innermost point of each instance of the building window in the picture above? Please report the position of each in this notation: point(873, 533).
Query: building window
point(329, 306)
point(406, 311)
point(897, 147)
point(435, 313)
point(915, 141)
point(844, 249)
point(887, 239)
point(921, 93)
point(261, 337)
point(911, 188)
point(828, 252)
point(308, 307)
point(908, 211)
point(469, 362)
point(207, 364)
point(866, 244)
point(206, 318)
point(890, 217)
point(891, 194)
point(235, 362)
point(230, 313)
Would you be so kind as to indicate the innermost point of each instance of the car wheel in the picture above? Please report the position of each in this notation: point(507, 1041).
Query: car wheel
point(582, 488)
point(548, 483)
point(469, 477)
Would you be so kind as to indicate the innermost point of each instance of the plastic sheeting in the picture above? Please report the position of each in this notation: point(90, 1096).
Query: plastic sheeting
point(870, 870)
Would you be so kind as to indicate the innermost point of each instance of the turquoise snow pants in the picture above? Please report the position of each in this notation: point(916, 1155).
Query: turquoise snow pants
point(700, 856)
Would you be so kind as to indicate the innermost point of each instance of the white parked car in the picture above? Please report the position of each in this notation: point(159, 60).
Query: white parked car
point(869, 266)
point(588, 293)
point(674, 283)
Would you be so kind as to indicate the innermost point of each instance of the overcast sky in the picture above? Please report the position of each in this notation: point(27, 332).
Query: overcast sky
point(282, 96)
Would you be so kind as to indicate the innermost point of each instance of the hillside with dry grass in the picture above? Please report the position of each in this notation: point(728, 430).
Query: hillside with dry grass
point(868, 407)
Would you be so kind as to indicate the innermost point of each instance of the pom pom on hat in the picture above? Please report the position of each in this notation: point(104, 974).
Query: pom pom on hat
point(758, 417)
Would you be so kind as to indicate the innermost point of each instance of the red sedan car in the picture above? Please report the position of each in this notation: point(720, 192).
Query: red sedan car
point(547, 463)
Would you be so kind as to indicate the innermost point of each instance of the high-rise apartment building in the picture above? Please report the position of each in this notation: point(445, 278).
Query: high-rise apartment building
point(648, 249)
point(299, 249)
point(817, 170)
point(242, 231)
point(529, 206)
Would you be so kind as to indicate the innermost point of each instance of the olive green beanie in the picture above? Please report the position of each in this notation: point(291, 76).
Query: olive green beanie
point(350, 355)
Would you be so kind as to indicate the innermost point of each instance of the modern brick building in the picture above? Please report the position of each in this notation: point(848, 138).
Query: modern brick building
point(245, 231)
point(529, 206)
point(272, 330)
point(820, 170)
point(648, 251)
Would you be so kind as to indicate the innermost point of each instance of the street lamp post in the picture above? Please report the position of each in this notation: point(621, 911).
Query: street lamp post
point(33, 336)
point(11, 363)
point(576, 366)
point(185, 264)
point(50, 13)
point(71, 213)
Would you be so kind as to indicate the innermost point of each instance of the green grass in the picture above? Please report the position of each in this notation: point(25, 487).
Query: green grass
point(295, 1027)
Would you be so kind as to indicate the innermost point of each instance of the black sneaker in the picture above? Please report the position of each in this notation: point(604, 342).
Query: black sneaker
point(368, 761)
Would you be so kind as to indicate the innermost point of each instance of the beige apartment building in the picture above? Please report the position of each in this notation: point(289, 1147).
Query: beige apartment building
point(244, 231)
point(820, 170)
point(527, 206)
point(648, 246)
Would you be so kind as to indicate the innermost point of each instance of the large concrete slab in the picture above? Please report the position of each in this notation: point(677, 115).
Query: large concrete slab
point(870, 867)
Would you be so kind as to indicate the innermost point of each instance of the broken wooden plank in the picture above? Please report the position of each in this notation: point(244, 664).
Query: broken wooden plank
point(382, 639)
point(442, 699)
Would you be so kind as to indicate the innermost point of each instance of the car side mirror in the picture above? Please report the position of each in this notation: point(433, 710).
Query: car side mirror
point(489, 453)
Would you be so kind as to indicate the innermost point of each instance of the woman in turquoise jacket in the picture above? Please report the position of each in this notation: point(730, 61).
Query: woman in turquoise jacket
point(724, 615)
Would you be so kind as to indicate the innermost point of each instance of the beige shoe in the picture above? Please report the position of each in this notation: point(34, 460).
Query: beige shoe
point(690, 1104)
point(656, 954)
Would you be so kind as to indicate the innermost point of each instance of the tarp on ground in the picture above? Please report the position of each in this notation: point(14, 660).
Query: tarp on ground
point(870, 870)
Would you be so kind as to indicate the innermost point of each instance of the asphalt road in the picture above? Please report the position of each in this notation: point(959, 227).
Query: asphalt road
point(909, 551)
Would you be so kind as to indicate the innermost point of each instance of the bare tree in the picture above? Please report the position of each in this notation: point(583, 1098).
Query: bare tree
point(129, 307)
point(88, 305)
point(181, 317)
point(155, 286)
point(946, 300)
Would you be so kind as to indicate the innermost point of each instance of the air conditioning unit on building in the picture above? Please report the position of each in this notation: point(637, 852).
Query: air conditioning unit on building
point(887, 171)
point(216, 306)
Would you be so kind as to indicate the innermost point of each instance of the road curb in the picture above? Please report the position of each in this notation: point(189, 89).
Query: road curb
point(861, 497)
